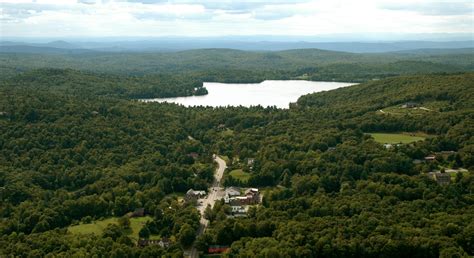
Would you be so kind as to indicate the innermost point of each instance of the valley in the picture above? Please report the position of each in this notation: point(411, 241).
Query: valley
point(228, 129)
point(319, 153)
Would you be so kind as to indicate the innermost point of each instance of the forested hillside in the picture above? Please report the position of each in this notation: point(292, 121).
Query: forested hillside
point(75, 149)
point(88, 84)
point(313, 64)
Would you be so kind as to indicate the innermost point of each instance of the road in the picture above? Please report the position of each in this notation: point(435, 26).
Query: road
point(215, 193)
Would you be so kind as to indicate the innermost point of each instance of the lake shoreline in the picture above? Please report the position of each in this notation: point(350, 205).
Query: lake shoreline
point(269, 93)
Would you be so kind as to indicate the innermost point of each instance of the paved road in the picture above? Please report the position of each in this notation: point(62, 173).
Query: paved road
point(215, 193)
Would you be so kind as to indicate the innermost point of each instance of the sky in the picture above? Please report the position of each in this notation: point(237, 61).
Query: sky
point(157, 18)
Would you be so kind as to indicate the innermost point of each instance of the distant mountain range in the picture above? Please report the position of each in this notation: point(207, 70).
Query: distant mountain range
point(179, 44)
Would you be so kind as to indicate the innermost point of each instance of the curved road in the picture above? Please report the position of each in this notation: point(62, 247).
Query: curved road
point(215, 193)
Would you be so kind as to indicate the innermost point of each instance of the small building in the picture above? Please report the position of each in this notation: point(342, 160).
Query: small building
point(94, 113)
point(192, 195)
point(232, 191)
point(388, 146)
point(239, 201)
point(252, 195)
point(164, 242)
point(243, 200)
point(410, 105)
point(430, 158)
point(138, 212)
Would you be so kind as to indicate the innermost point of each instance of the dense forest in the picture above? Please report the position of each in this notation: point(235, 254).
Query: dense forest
point(76, 146)
point(228, 65)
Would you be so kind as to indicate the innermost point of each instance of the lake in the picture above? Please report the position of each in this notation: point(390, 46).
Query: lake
point(267, 93)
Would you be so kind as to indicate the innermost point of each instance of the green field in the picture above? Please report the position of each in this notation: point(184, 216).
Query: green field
point(423, 109)
point(394, 138)
point(240, 174)
point(97, 227)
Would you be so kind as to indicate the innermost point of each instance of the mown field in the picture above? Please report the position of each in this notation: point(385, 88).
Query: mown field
point(97, 227)
point(240, 175)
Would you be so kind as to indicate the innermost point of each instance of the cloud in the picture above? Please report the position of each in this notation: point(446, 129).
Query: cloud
point(170, 11)
point(226, 17)
point(432, 8)
point(146, 1)
point(88, 1)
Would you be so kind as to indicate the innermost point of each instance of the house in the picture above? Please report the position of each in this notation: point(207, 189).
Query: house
point(94, 113)
point(242, 200)
point(442, 178)
point(252, 195)
point(232, 191)
point(388, 146)
point(138, 212)
point(410, 105)
point(164, 242)
point(430, 158)
point(192, 195)
point(239, 201)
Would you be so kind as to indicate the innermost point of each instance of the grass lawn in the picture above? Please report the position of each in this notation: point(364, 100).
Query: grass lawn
point(394, 138)
point(97, 227)
point(240, 174)
point(421, 110)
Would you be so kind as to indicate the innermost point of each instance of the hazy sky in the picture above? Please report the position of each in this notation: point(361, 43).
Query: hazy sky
point(104, 18)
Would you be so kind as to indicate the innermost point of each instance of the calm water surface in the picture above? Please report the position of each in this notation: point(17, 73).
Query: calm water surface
point(267, 93)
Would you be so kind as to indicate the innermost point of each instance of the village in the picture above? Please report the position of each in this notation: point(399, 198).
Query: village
point(239, 199)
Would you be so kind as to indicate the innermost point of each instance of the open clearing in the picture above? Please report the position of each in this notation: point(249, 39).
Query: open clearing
point(98, 226)
point(423, 109)
point(393, 138)
point(240, 175)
